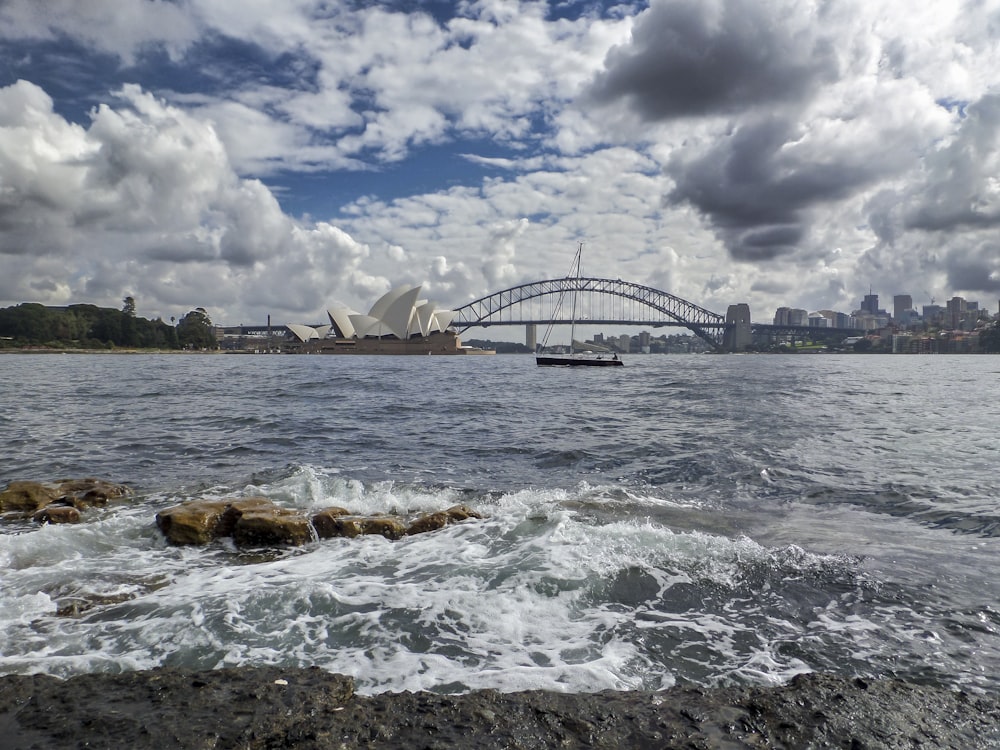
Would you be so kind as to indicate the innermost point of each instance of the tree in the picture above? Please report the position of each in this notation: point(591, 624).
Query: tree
point(128, 306)
point(195, 330)
point(989, 338)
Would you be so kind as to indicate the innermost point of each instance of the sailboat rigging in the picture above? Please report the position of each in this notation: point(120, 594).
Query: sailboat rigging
point(573, 359)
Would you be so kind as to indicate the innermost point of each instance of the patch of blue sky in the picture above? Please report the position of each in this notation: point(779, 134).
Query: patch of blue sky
point(426, 170)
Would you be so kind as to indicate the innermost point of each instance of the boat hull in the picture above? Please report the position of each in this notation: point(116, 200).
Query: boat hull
point(570, 361)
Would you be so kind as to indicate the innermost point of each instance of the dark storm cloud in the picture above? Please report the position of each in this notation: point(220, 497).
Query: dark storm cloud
point(702, 57)
point(959, 189)
point(756, 191)
point(976, 268)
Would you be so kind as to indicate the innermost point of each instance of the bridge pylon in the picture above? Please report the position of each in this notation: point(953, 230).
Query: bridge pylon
point(738, 335)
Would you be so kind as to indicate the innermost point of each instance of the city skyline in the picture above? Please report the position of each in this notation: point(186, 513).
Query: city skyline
point(269, 157)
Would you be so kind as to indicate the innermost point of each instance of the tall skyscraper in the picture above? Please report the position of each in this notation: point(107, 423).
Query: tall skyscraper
point(870, 303)
point(901, 303)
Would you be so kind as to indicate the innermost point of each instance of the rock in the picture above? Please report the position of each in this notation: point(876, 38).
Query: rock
point(434, 521)
point(90, 492)
point(325, 521)
point(201, 521)
point(257, 522)
point(388, 526)
point(352, 526)
point(24, 499)
point(270, 526)
point(27, 497)
point(262, 708)
point(57, 514)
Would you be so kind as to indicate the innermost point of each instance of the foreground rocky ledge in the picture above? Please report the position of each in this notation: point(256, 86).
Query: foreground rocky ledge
point(273, 707)
point(249, 521)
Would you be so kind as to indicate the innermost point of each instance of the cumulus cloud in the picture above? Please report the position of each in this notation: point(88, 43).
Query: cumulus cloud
point(145, 202)
point(777, 152)
point(942, 224)
point(499, 252)
point(707, 57)
point(961, 181)
point(117, 27)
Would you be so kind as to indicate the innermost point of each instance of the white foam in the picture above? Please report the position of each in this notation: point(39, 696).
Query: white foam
point(518, 600)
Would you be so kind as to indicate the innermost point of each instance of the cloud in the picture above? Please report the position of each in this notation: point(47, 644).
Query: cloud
point(779, 152)
point(710, 57)
point(499, 251)
point(146, 202)
point(960, 186)
point(940, 226)
point(118, 27)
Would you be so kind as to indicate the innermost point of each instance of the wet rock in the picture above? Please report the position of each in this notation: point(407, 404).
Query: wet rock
point(202, 521)
point(353, 526)
point(309, 709)
point(78, 605)
point(57, 514)
point(325, 521)
point(90, 493)
point(258, 522)
point(26, 499)
point(388, 526)
point(435, 521)
point(273, 526)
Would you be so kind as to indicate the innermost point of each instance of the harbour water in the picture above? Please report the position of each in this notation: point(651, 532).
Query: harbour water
point(701, 520)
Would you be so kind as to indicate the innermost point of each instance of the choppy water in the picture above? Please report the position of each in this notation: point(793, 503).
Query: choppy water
point(699, 519)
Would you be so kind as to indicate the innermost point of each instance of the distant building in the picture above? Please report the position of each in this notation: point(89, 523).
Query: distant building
point(900, 304)
point(398, 323)
point(933, 314)
point(818, 320)
point(870, 304)
point(625, 343)
point(955, 313)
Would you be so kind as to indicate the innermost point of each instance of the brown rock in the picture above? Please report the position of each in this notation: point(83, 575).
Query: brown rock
point(27, 496)
point(434, 521)
point(388, 526)
point(57, 514)
point(269, 526)
point(201, 521)
point(324, 521)
point(90, 492)
point(349, 526)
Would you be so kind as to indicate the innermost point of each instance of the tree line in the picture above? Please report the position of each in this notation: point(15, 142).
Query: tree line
point(91, 327)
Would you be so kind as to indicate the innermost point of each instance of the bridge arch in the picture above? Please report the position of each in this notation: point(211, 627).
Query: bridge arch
point(670, 310)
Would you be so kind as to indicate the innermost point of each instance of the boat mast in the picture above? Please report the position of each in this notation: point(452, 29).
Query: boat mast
point(572, 322)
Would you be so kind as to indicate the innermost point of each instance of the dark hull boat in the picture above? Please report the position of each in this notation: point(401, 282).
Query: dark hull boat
point(576, 360)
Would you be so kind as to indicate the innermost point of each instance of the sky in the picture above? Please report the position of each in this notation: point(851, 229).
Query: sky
point(277, 157)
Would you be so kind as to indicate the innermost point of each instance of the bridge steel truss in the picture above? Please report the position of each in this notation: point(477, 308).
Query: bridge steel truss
point(670, 310)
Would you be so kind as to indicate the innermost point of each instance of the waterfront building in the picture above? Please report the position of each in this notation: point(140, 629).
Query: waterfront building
point(955, 313)
point(398, 323)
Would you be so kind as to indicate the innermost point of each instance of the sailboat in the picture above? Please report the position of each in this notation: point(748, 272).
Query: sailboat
point(574, 358)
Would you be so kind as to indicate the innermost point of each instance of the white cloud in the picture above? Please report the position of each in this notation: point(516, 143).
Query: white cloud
point(781, 152)
point(116, 27)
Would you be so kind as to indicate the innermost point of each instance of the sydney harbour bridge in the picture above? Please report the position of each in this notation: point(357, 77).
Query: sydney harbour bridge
point(622, 303)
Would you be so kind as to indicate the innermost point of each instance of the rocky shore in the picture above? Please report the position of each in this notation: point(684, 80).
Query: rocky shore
point(274, 707)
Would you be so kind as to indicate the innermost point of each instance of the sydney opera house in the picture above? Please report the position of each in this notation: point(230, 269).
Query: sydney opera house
point(398, 323)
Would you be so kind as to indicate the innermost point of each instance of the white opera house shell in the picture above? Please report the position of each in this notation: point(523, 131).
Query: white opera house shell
point(398, 316)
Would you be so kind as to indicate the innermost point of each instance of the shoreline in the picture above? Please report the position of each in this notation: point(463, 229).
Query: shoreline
point(310, 709)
